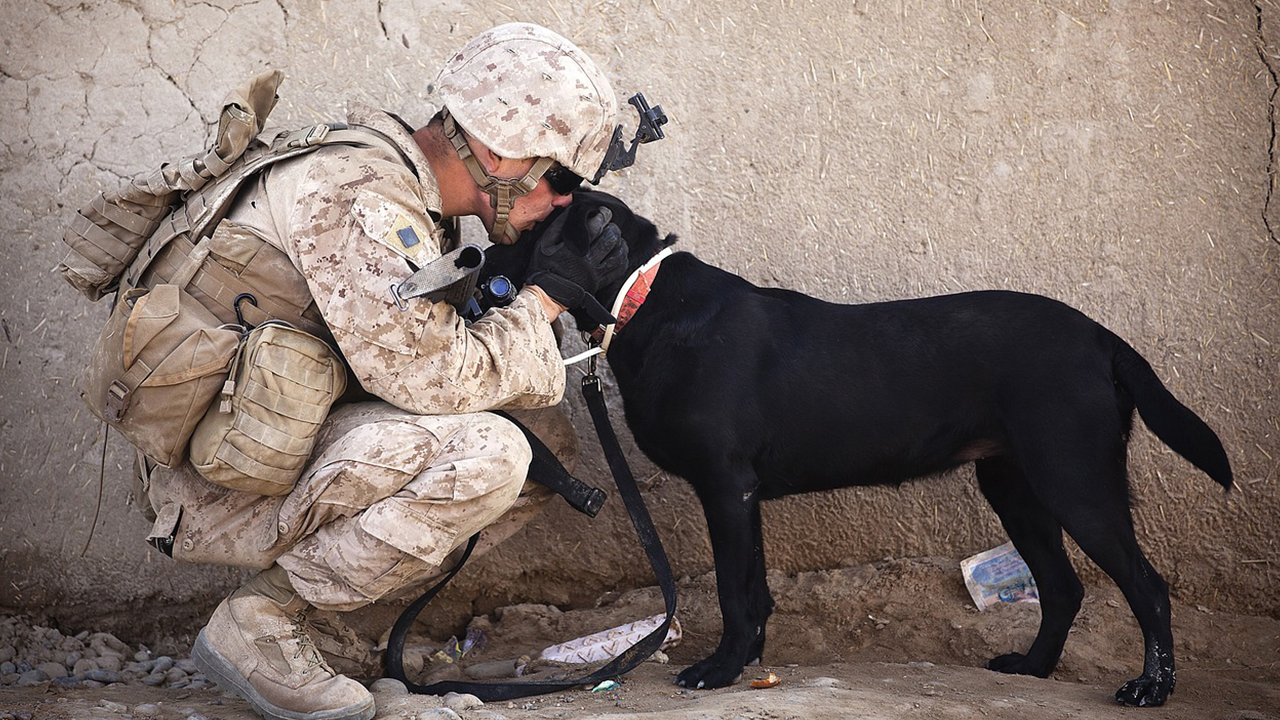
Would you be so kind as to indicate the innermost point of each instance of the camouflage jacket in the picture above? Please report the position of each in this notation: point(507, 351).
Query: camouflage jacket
point(352, 220)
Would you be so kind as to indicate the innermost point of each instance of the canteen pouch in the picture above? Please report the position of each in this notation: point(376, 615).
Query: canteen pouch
point(259, 437)
point(158, 364)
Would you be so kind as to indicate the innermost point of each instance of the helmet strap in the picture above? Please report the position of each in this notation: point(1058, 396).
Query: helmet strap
point(503, 192)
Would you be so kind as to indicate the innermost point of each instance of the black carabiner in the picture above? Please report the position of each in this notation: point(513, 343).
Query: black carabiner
point(236, 304)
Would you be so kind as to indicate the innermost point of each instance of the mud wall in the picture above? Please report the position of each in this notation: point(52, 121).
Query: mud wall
point(1115, 155)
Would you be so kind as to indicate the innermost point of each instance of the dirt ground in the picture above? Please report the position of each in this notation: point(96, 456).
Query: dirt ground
point(892, 639)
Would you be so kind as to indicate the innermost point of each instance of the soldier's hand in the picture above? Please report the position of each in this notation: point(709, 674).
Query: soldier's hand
point(576, 257)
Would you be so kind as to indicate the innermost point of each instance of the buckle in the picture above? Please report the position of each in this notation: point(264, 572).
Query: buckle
point(307, 136)
point(118, 396)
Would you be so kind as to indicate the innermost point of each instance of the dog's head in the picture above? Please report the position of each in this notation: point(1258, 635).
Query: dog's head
point(641, 236)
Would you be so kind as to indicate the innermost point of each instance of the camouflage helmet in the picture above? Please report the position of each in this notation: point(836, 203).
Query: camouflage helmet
point(525, 91)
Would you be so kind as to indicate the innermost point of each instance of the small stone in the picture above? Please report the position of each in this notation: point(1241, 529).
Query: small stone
point(113, 706)
point(146, 710)
point(162, 664)
point(174, 675)
point(185, 681)
point(154, 679)
point(138, 667)
point(460, 702)
point(186, 665)
point(196, 716)
point(826, 682)
point(67, 681)
point(198, 683)
point(103, 676)
point(441, 713)
point(24, 666)
point(388, 686)
point(7, 653)
point(921, 665)
point(141, 656)
point(92, 684)
point(84, 667)
point(72, 658)
point(9, 678)
point(8, 668)
point(31, 677)
point(53, 670)
point(487, 715)
point(110, 662)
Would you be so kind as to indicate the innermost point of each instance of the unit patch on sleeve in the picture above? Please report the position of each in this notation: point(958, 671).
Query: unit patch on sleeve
point(387, 223)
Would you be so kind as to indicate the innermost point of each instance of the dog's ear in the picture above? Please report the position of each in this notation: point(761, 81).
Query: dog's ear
point(669, 240)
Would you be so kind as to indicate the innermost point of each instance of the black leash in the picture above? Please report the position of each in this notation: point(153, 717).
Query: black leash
point(584, 501)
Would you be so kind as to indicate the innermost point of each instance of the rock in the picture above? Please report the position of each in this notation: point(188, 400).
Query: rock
point(154, 679)
point(7, 653)
point(138, 667)
point(8, 668)
point(113, 707)
point(72, 658)
point(146, 710)
point(142, 656)
point(110, 662)
point(162, 664)
point(441, 713)
point(99, 641)
point(487, 715)
point(103, 676)
point(388, 686)
point(461, 702)
point(186, 666)
point(84, 667)
point(67, 681)
point(491, 670)
point(31, 677)
point(53, 670)
point(174, 675)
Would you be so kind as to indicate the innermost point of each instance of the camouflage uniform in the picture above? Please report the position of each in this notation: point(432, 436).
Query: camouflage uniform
point(394, 485)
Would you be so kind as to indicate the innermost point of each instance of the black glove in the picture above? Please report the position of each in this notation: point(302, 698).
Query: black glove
point(579, 254)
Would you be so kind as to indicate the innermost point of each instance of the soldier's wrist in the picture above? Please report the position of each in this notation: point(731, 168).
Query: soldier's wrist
point(549, 306)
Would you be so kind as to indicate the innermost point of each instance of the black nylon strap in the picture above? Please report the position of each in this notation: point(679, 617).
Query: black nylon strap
point(620, 665)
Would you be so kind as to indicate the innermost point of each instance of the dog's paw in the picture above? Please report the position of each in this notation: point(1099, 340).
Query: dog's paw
point(1145, 691)
point(709, 673)
point(1017, 664)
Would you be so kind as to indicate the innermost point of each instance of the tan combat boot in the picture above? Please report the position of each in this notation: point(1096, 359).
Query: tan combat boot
point(256, 645)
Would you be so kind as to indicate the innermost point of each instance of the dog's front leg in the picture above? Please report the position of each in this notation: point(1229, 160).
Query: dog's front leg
point(732, 509)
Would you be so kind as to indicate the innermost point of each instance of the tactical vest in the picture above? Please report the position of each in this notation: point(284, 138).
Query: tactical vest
point(204, 309)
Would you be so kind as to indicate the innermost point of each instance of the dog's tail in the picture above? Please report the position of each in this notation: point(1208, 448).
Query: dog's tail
point(1174, 423)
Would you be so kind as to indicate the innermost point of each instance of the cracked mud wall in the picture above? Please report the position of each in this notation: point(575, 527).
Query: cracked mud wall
point(1119, 156)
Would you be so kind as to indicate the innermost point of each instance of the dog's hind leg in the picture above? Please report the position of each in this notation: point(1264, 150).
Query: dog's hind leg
point(1038, 537)
point(732, 510)
point(1084, 487)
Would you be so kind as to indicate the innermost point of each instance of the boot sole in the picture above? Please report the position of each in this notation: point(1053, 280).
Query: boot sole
point(222, 672)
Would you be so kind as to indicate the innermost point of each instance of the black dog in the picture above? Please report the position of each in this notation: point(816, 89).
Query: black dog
point(755, 393)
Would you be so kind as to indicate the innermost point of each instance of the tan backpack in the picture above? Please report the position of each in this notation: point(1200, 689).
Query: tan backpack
point(180, 320)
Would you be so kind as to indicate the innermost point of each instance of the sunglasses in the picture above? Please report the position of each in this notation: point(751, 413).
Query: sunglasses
point(562, 180)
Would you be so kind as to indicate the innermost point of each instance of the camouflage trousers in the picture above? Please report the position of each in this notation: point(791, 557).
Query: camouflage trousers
point(387, 497)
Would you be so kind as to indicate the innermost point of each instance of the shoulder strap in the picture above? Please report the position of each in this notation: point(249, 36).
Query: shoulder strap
point(202, 210)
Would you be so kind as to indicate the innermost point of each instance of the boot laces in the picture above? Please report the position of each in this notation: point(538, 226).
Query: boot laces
point(304, 647)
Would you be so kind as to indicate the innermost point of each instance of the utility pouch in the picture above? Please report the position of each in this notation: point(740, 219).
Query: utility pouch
point(259, 437)
point(106, 235)
point(160, 360)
